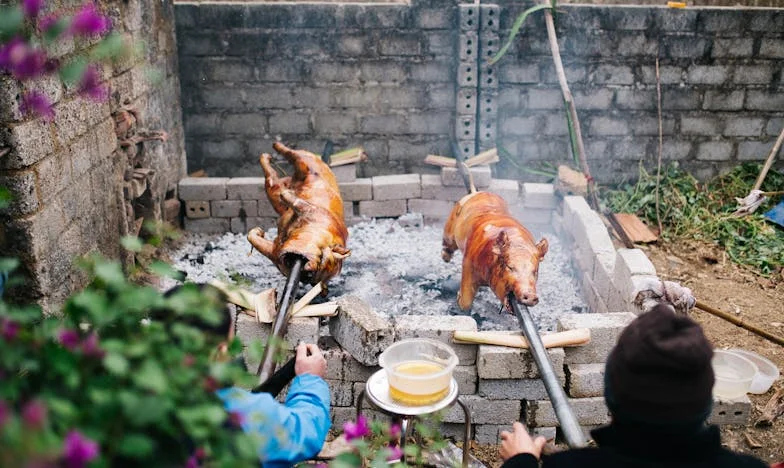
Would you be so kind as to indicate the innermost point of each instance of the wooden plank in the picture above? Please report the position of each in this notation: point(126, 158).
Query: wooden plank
point(635, 228)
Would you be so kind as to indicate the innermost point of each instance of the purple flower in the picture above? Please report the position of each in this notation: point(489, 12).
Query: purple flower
point(91, 86)
point(394, 431)
point(394, 453)
point(31, 8)
point(356, 430)
point(4, 413)
point(78, 450)
point(68, 338)
point(8, 329)
point(23, 61)
point(35, 103)
point(89, 21)
point(46, 22)
point(12, 48)
point(235, 419)
point(192, 462)
point(34, 414)
point(91, 348)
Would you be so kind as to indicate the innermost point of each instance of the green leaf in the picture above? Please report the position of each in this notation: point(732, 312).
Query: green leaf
point(515, 30)
point(94, 302)
point(55, 30)
point(8, 264)
point(164, 269)
point(5, 197)
point(151, 377)
point(63, 409)
point(116, 364)
point(111, 46)
point(110, 273)
point(132, 243)
point(72, 72)
point(136, 446)
point(11, 21)
point(346, 460)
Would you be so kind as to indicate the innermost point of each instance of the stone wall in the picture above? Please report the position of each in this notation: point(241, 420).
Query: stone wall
point(75, 187)
point(406, 80)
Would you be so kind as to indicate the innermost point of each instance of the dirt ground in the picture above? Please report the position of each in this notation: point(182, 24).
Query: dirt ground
point(754, 299)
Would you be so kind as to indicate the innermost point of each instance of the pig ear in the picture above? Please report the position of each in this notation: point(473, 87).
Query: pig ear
point(542, 246)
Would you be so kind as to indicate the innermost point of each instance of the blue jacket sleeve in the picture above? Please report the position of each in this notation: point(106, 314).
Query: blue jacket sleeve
point(285, 434)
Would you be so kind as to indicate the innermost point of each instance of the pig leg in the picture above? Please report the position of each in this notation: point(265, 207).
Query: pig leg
point(274, 184)
point(449, 243)
point(296, 158)
point(468, 286)
point(265, 246)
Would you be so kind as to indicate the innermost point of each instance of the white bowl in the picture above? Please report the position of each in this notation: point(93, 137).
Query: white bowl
point(767, 372)
point(733, 373)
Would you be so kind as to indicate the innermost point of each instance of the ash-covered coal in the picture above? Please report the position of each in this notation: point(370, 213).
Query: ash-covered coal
point(397, 269)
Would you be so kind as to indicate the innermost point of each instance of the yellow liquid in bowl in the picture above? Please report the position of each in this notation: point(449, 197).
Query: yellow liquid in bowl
point(418, 391)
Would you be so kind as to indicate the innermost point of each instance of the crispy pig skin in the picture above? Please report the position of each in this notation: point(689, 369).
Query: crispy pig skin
point(497, 250)
point(311, 223)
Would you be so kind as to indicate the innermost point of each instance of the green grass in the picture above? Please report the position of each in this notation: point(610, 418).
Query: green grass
point(703, 211)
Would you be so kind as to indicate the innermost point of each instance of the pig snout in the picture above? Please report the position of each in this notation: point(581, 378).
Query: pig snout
point(527, 295)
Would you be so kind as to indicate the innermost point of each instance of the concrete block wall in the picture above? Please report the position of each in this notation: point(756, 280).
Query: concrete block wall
point(67, 175)
point(399, 79)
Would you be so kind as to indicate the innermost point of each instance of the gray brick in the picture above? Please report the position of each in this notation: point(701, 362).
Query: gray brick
point(605, 330)
point(341, 393)
point(595, 98)
point(431, 209)
point(341, 415)
point(383, 124)
point(430, 123)
point(351, 46)
point(222, 98)
point(772, 48)
point(764, 100)
point(585, 380)
point(197, 209)
point(30, 142)
point(512, 389)
point(507, 189)
point(676, 150)
point(360, 330)
point(520, 73)
point(634, 44)
point(538, 196)
point(498, 362)
point(735, 47)
point(203, 188)
point(466, 378)
point(289, 122)
point(304, 329)
point(355, 371)
point(753, 150)
point(721, 100)
point(685, 47)
point(439, 328)
point(233, 208)
point(635, 99)
point(522, 125)
point(333, 72)
point(396, 187)
point(744, 126)
point(306, 97)
point(335, 123)
point(714, 151)
point(23, 188)
point(736, 412)
point(382, 209)
point(433, 189)
point(699, 125)
point(207, 225)
point(555, 124)
point(632, 19)
point(545, 99)
point(481, 175)
point(753, 74)
point(358, 190)
point(774, 126)
point(612, 75)
point(434, 18)
point(708, 74)
point(400, 46)
point(54, 173)
point(607, 126)
point(573, 207)
point(681, 99)
point(668, 74)
point(244, 124)
point(719, 22)
point(484, 411)
point(403, 98)
point(246, 188)
point(587, 411)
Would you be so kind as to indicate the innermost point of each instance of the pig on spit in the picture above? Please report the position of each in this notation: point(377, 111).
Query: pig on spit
point(311, 224)
point(497, 250)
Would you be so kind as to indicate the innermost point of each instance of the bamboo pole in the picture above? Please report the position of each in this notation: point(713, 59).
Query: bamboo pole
point(769, 161)
point(736, 321)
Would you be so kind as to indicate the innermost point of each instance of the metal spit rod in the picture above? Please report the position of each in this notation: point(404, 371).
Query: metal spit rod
point(571, 429)
point(267, 366)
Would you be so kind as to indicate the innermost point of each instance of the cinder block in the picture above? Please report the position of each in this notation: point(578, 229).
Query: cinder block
point(335, 358)
point(233, 208)
point(203, 188)
point(341, 393)
point(345, 173)
point(357, 190)
point(499, 362)
point(603, 268)
point(587, 411)
point(246, 188)
point(451, 177)
point(484, 411)
point(572, 206)
point(432, 209)
point(585, 380)
point(726, 412)
point(382, 209)
point(397, 187)
point(207, 225)
point(512, 389)
point(304, 329)
point(491, 433)
point(592, 240)
point(355, 371)
point(241, 225)
point(631, 262)
point(433, 189)
point(538, 196)
point(466, 378)
point(265, 207)
point(360, 330)
point(341, 416)
point(507, 189)
point(596, 304)
point(532, 216)
point(439, 328)
point(605, 329)
point(197, 209)
point(171, 211)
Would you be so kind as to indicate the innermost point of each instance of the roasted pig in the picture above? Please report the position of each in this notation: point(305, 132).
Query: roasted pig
point(497, 250)
point(311, 224)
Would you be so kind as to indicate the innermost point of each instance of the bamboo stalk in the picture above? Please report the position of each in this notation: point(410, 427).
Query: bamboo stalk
point(349, 156)
point(236, 295)
point(483, 158)
point(736, 321)
point(769, 161)
point(325, 309)
point(307, 297)
point(577, 337)
point(441, 161)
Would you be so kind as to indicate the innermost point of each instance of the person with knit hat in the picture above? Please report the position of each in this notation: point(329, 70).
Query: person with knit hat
point(658, 384)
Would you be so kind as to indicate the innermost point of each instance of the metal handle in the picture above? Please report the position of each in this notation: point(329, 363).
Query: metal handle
point(571, 429)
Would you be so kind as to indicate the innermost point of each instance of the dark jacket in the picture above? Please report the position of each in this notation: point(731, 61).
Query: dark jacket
point(632, 447)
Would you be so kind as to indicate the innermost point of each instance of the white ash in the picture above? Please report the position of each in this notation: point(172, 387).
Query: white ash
point(396, 269)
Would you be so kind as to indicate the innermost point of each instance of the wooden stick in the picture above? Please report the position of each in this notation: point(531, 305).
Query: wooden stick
point(661, 143)
point(441, 161)
point(769, 161)
point(483, 158)
point(325, 309)
point(236, 295)
point(773, 409)
point(349, 156)
point(307, 297)
point(577, 337)
point(736, 321)
point(567, 95)
point(627, 242)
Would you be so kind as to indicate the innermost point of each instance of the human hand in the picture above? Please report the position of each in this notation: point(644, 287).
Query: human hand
point(518, 441)
point(313, 364)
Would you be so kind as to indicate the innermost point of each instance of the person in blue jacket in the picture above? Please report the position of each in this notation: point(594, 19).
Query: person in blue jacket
point(286, 433)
